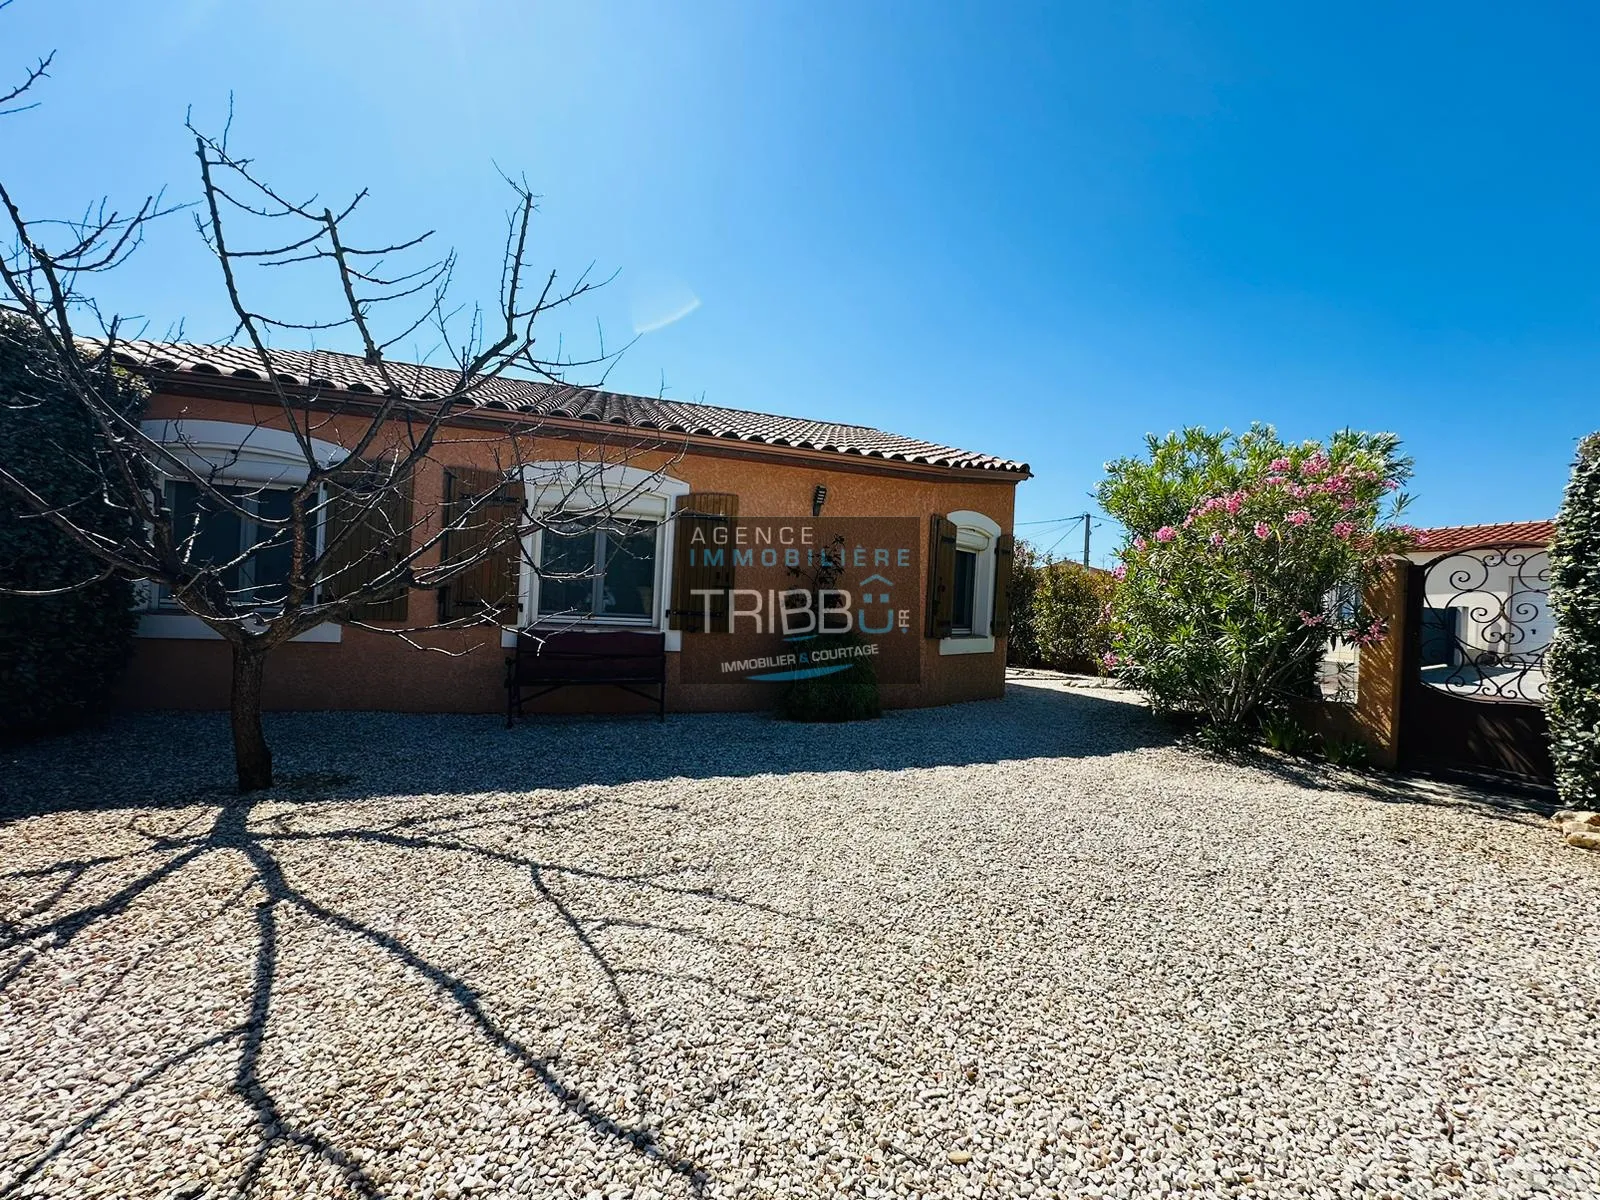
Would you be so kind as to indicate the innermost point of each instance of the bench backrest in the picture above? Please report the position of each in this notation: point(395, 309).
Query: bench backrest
point(576, 657)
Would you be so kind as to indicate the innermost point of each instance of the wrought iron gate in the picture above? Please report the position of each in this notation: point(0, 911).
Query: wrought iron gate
point(1477, 625)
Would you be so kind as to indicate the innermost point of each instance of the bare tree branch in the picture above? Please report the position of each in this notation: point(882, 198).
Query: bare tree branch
point(264, 556)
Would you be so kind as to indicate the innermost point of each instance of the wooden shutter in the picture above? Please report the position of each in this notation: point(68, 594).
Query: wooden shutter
point(380, 537)
point(491, 507)
point(941, 576)
point(1005, 551)
point(705, 513)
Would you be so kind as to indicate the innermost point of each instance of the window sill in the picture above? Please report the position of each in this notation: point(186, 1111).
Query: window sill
point(966, 645)
point(187, 628)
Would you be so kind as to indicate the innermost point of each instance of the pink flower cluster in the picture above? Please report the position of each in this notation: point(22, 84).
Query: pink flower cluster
point(1109, 660)
point(1314, 477)
point(1374, 633)
point(1119, 572)
point(1231, 504)
point(1339, 483)
point(1311, 479)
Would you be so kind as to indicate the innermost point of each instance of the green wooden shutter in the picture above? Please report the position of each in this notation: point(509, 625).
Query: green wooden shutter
point(491, 506)
point(1005, 552)
point(380, 538)
point(705, 513)
point(941, 576)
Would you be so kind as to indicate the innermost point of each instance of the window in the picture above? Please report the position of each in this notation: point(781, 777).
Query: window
point(979, 545)
point(610, 575)
point(1442, 635)
point(962, 607)
point(255, 554)
point(608, 572)
point(257, 469)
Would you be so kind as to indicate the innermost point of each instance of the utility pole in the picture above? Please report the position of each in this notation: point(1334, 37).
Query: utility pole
point(1086, 525)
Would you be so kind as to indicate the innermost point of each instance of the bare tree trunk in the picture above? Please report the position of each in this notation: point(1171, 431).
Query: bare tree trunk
point(251, 756)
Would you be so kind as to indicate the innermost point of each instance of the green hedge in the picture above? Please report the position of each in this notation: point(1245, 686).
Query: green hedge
point(1058, 614)
point(59, 655)
point(1573, 661)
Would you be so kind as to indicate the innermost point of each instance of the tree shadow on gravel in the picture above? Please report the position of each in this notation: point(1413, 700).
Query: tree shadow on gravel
point(149, 765)
point(161, 760)
point(260, 842)
point(1497, 799)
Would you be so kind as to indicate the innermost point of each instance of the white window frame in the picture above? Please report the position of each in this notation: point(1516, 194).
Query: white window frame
point(980, 535)
point(624, 492)
point(231, 454)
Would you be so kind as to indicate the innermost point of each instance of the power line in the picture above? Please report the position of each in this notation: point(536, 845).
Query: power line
point(1063, 535)
point(1089, 520)
point(1059, 540)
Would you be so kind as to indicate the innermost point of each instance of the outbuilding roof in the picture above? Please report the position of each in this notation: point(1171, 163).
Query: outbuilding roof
point(352, 373)
point(1476, 537)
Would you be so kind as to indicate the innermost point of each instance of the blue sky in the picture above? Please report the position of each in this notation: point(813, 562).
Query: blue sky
point(1035, 230)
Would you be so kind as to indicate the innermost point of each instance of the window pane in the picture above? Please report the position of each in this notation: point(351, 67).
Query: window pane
point(566, 555)
point(966, 580)
point(628, 588)
point(268, 568)
point(215, 530)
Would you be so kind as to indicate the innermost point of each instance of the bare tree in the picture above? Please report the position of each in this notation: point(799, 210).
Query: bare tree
point(340, 531)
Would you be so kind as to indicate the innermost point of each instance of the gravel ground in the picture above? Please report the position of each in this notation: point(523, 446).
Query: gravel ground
point(1023, 948)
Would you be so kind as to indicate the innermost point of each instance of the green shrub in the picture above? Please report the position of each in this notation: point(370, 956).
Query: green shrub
point(60, 655)
point(850, 695)
point(1346, 752)
point(1072, 617)
point(1059, 616)
point(1283, 733)
point(1238, 552)
point(1022, 639)
point(1572, 663)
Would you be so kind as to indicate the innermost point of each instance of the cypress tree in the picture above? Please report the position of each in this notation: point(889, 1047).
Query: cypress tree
point(1573, 660)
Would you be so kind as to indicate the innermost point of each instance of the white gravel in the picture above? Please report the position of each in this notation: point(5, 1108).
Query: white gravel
point(1022, 948)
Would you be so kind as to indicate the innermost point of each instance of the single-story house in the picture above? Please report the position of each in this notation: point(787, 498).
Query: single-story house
point(938, 585)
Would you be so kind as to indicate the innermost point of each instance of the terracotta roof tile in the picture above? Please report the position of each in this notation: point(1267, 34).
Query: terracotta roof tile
point(1474, 537)
point(348, 372)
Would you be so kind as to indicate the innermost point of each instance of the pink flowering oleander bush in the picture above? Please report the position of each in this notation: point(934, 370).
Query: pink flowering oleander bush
point(1245, 557)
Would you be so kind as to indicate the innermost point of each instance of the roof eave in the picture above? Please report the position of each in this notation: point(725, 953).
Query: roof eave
point(192, 382)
